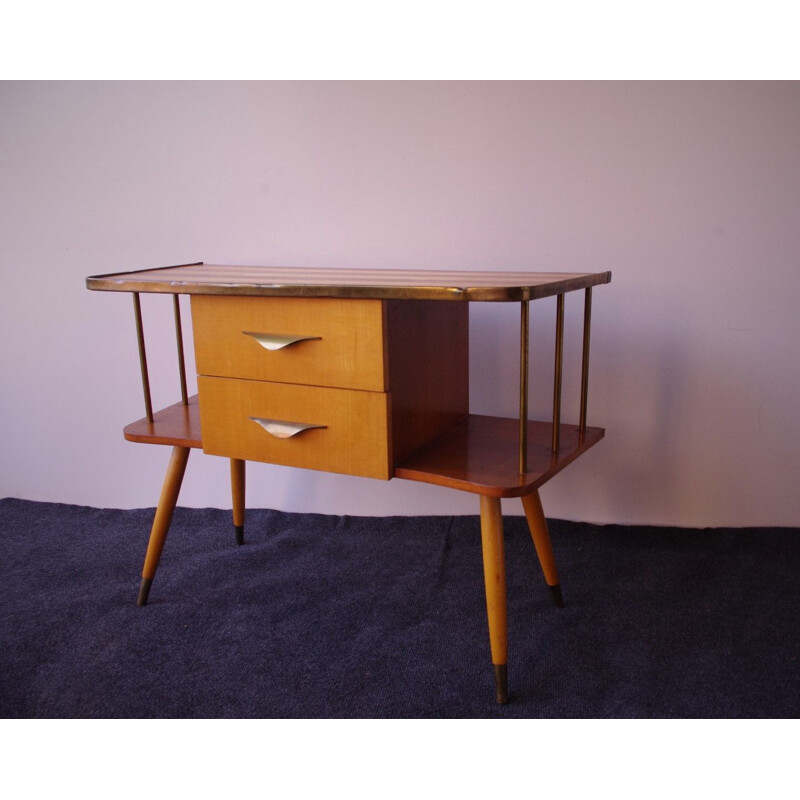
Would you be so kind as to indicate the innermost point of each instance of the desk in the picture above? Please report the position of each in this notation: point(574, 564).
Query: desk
point(361, 373)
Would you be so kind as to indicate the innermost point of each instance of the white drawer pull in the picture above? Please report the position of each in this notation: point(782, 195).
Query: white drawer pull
point(277, 341)
point(284, 430)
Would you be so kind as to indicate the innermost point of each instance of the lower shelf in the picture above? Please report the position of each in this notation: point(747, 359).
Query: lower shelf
point(178, 425)
point(481, 454)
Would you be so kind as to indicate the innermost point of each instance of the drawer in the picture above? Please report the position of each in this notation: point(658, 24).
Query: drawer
point(314, 341)
point(354, 439)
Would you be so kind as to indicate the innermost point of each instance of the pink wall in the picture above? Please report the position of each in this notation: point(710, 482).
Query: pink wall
point(688, 192)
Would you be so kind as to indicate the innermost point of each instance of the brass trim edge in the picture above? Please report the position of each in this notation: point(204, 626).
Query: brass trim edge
point(587, 325)
point(524, 350)
point(137, 312)
point(558, 372)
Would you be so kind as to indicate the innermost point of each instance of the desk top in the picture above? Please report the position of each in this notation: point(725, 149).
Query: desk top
point(354, 283)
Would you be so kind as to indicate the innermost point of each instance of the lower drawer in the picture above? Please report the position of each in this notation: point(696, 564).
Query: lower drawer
point(259, 421)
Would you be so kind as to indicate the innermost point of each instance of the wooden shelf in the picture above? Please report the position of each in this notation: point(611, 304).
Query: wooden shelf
point(480, 455)
point(177, 425)
point(228, 279)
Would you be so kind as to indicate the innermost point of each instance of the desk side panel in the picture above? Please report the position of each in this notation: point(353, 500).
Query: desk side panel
point(428, 360)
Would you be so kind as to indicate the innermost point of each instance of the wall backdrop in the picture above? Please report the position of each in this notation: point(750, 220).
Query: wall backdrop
point(687, 191)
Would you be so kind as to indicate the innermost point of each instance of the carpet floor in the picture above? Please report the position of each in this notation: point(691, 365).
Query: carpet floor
point(355, 617)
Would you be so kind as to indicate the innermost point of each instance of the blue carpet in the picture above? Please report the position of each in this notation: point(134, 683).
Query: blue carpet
point(351, 617)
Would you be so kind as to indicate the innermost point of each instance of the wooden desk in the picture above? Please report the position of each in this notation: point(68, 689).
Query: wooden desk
point(362, 373)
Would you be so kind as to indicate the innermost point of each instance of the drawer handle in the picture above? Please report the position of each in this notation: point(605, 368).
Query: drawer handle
point(277, 341)
point(284, 430)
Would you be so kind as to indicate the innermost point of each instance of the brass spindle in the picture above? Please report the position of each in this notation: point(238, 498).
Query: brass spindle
point(587, 322)
point(137, 310)
point(524, 338)
point(558, 372)
point(179, 340)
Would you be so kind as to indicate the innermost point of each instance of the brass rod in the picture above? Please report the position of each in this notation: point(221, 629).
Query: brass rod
point(587, 324)
point(179, 339)
point(558, 371)
point(137, 310)
point(524, 339)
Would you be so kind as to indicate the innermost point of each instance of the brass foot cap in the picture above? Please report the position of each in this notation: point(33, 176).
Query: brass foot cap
point(555, 591)
point(144, 591)
point(501, 683)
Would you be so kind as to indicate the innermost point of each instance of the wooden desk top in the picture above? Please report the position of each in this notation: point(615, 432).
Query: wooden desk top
point(378, 284)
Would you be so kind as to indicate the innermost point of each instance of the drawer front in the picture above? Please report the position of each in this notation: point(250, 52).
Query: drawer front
point(248, 420)
point(314, 341)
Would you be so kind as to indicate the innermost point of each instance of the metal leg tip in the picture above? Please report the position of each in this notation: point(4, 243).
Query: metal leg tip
point(555, 591)
point(239, 534)
point(501, 683)
point(144, 591)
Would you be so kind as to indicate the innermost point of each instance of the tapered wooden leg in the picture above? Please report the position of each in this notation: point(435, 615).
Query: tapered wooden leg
point(162, 519)
point(494, 573)
point(237, 493)
point(541, 541)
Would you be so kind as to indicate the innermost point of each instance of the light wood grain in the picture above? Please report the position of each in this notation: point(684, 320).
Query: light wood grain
point(494, 570)
point(537, 524)
point(349, 352)
point(166, 507)
point(238, 470)
point(355, 440)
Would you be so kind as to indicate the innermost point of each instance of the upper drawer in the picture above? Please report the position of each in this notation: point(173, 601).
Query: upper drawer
point(341, 342)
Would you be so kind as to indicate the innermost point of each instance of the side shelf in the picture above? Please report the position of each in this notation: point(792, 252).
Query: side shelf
point(479, 455)
point(177, 425)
